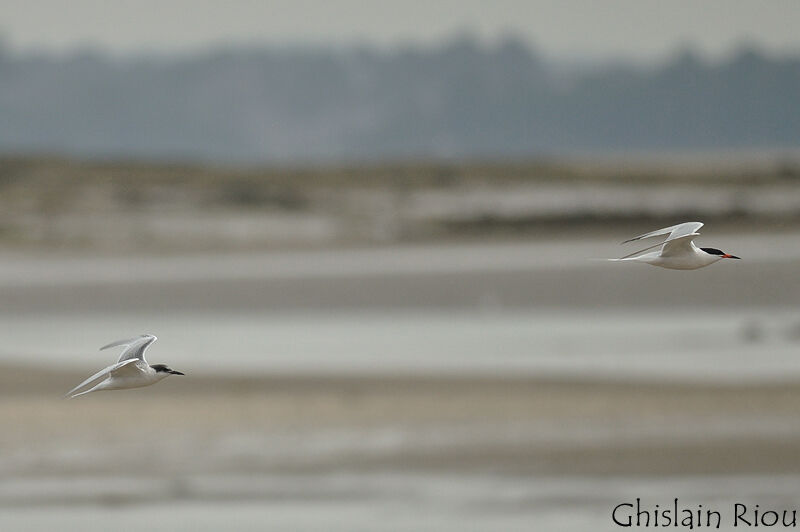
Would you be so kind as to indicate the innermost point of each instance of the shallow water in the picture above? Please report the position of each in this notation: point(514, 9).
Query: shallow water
point(707, 345)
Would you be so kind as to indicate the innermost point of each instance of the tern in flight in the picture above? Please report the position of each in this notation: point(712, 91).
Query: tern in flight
point(130, 371)
point(677, 252)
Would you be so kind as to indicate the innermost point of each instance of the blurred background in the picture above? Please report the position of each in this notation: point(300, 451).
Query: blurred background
point(368, 233)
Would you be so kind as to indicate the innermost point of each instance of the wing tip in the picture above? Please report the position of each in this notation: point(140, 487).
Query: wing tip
point(129, 341)
point(70, 394)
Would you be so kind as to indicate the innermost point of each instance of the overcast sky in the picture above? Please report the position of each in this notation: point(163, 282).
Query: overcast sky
point(631, 28)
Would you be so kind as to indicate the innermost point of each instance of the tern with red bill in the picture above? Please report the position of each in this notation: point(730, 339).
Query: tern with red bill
point(678, 251)
point(130, 371)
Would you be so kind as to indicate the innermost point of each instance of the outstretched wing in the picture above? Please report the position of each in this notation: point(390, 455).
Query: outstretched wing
point(678, 242)
point(678, 246)
point(629, 255)
point(103, 373)
point(675, 231)
point(135, 347)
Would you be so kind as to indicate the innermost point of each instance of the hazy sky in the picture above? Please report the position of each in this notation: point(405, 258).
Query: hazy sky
point(631, 28)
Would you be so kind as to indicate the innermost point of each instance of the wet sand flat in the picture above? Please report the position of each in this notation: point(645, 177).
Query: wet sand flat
point(329, 423)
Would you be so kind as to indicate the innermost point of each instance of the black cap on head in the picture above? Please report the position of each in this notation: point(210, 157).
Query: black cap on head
point(163, 368)
point(720, 253)
point(713, 251)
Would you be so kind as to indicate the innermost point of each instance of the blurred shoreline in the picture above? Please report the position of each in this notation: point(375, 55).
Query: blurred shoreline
point(357, 341)
point(71, 206)
point(536, 308)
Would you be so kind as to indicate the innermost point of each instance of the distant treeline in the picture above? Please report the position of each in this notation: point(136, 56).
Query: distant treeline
point(462, 99)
